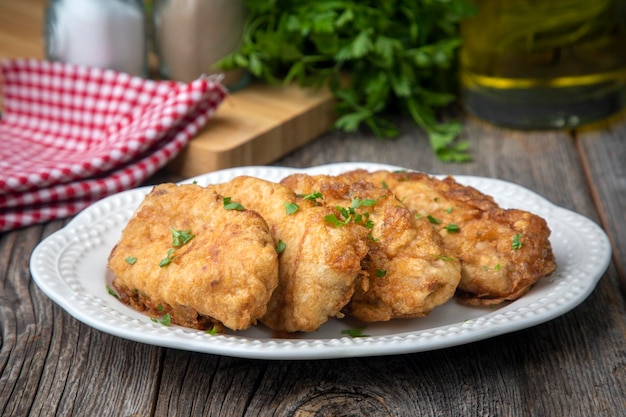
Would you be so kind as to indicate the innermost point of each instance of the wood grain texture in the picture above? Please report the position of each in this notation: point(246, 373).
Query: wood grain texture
point(255, 126)
point(21, 29)
point(603, 153)
point(574, 365)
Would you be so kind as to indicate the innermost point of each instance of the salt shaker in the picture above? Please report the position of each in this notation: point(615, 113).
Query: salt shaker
point(98, 33)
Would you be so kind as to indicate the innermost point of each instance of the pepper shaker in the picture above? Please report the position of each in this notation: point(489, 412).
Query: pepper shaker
point(190, 36)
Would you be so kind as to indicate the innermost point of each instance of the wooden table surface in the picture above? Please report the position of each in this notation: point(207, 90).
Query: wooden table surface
point(573, 365)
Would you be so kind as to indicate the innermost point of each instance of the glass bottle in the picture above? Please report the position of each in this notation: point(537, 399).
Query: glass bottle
point(99, 33)
point(544, 64)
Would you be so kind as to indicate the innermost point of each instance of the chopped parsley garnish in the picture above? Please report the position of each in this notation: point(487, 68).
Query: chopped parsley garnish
point(384, 185)
point(333, 220)
point(181, 237)
point(345, 212)
point(232, 205)
point(381, 273)
point(130, 260)
point(452, 228)
point(166, 320)
point(495, 268)
point(112, 292)
point(280, 247)
point(312, 196)
point(517, 243)
point(433, 220)
point(350, 213)
point(212, 331)
point(445, 258)
point(291, 208)
point(372, 238)
point(366, 202)
point(168, 259)
point(449, 210)
point(358, 332)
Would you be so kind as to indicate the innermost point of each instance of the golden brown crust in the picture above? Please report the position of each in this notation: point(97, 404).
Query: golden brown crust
point(494, 269)
point(320, 265)
point(225, 274)
point(410, 270)
point(396, 254)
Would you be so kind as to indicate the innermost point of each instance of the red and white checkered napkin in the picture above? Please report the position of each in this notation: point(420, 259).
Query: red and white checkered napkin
point(70, 134)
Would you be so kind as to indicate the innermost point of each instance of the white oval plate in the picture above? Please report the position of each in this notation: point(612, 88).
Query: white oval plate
point(70, 267)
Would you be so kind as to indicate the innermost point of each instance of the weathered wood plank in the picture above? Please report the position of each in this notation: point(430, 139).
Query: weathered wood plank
point(506, 376)
point(50, 364)
point(603, 152)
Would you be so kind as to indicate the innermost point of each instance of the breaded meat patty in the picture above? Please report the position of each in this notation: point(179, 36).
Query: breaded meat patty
point(319, 263)
point(410, 270)
point(503, 252)
point(185, 254)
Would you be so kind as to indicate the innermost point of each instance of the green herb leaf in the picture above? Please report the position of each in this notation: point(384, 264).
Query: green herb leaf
point(166, 320)
point(280, 247)
point(381, 273)
point(357, 332)
point(112, 292)
point(312, 196)
point(130, 260)
point(452, 228)
point(291, 208)
point(517, 243)
point(433, 220)
point(181, 237)
point(372, 238)
point(399, 56)
point(232, 205)
point(367, 202)
point(168, 259)
point(333, 220)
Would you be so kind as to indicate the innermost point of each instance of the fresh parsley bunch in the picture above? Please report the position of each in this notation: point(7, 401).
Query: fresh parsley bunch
point(378, 57)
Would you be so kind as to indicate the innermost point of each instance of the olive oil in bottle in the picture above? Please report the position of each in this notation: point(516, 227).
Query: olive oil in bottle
point(537, 64)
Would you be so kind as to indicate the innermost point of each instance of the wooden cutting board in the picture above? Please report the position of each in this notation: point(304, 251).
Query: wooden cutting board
point(257, 125)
